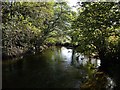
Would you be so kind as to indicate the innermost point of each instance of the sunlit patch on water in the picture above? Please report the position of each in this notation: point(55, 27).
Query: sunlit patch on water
point(66, 54)
point(110, 83)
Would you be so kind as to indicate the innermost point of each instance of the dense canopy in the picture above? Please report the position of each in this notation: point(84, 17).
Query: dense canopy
point(94, 29)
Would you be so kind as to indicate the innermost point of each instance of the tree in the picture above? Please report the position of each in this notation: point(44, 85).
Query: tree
point(97, 22)
point(23, 24)
point(61, 22)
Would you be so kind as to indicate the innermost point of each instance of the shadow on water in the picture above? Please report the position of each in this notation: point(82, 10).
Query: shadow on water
point(108, 80)
point(56, 67)
point(113, 72)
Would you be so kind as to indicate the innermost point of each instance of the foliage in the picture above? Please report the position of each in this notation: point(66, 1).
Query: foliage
point(23, 24)
point(94, 29)
point(29, 25)
point(98, 26)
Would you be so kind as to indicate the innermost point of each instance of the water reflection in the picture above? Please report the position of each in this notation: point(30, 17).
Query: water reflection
point(66, 54)
point(113, 72)
point(98, 81)
point(77, 58)
point(55, 67)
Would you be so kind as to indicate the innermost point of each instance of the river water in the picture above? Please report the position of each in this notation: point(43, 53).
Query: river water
point(53, 68)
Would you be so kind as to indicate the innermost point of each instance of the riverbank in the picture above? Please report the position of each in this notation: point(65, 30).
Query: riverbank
point(16, 52)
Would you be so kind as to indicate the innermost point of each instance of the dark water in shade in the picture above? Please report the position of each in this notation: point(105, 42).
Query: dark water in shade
point(53, 68)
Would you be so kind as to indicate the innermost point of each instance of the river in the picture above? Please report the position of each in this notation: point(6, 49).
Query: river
point(53, 68)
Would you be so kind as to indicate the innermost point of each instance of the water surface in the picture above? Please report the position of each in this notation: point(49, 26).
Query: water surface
point(53, 68)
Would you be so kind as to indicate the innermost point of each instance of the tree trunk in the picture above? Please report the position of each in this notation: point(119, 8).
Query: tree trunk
point(72, 59)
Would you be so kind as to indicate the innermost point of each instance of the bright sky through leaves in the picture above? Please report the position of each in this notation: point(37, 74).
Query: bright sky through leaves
point(72, 3)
